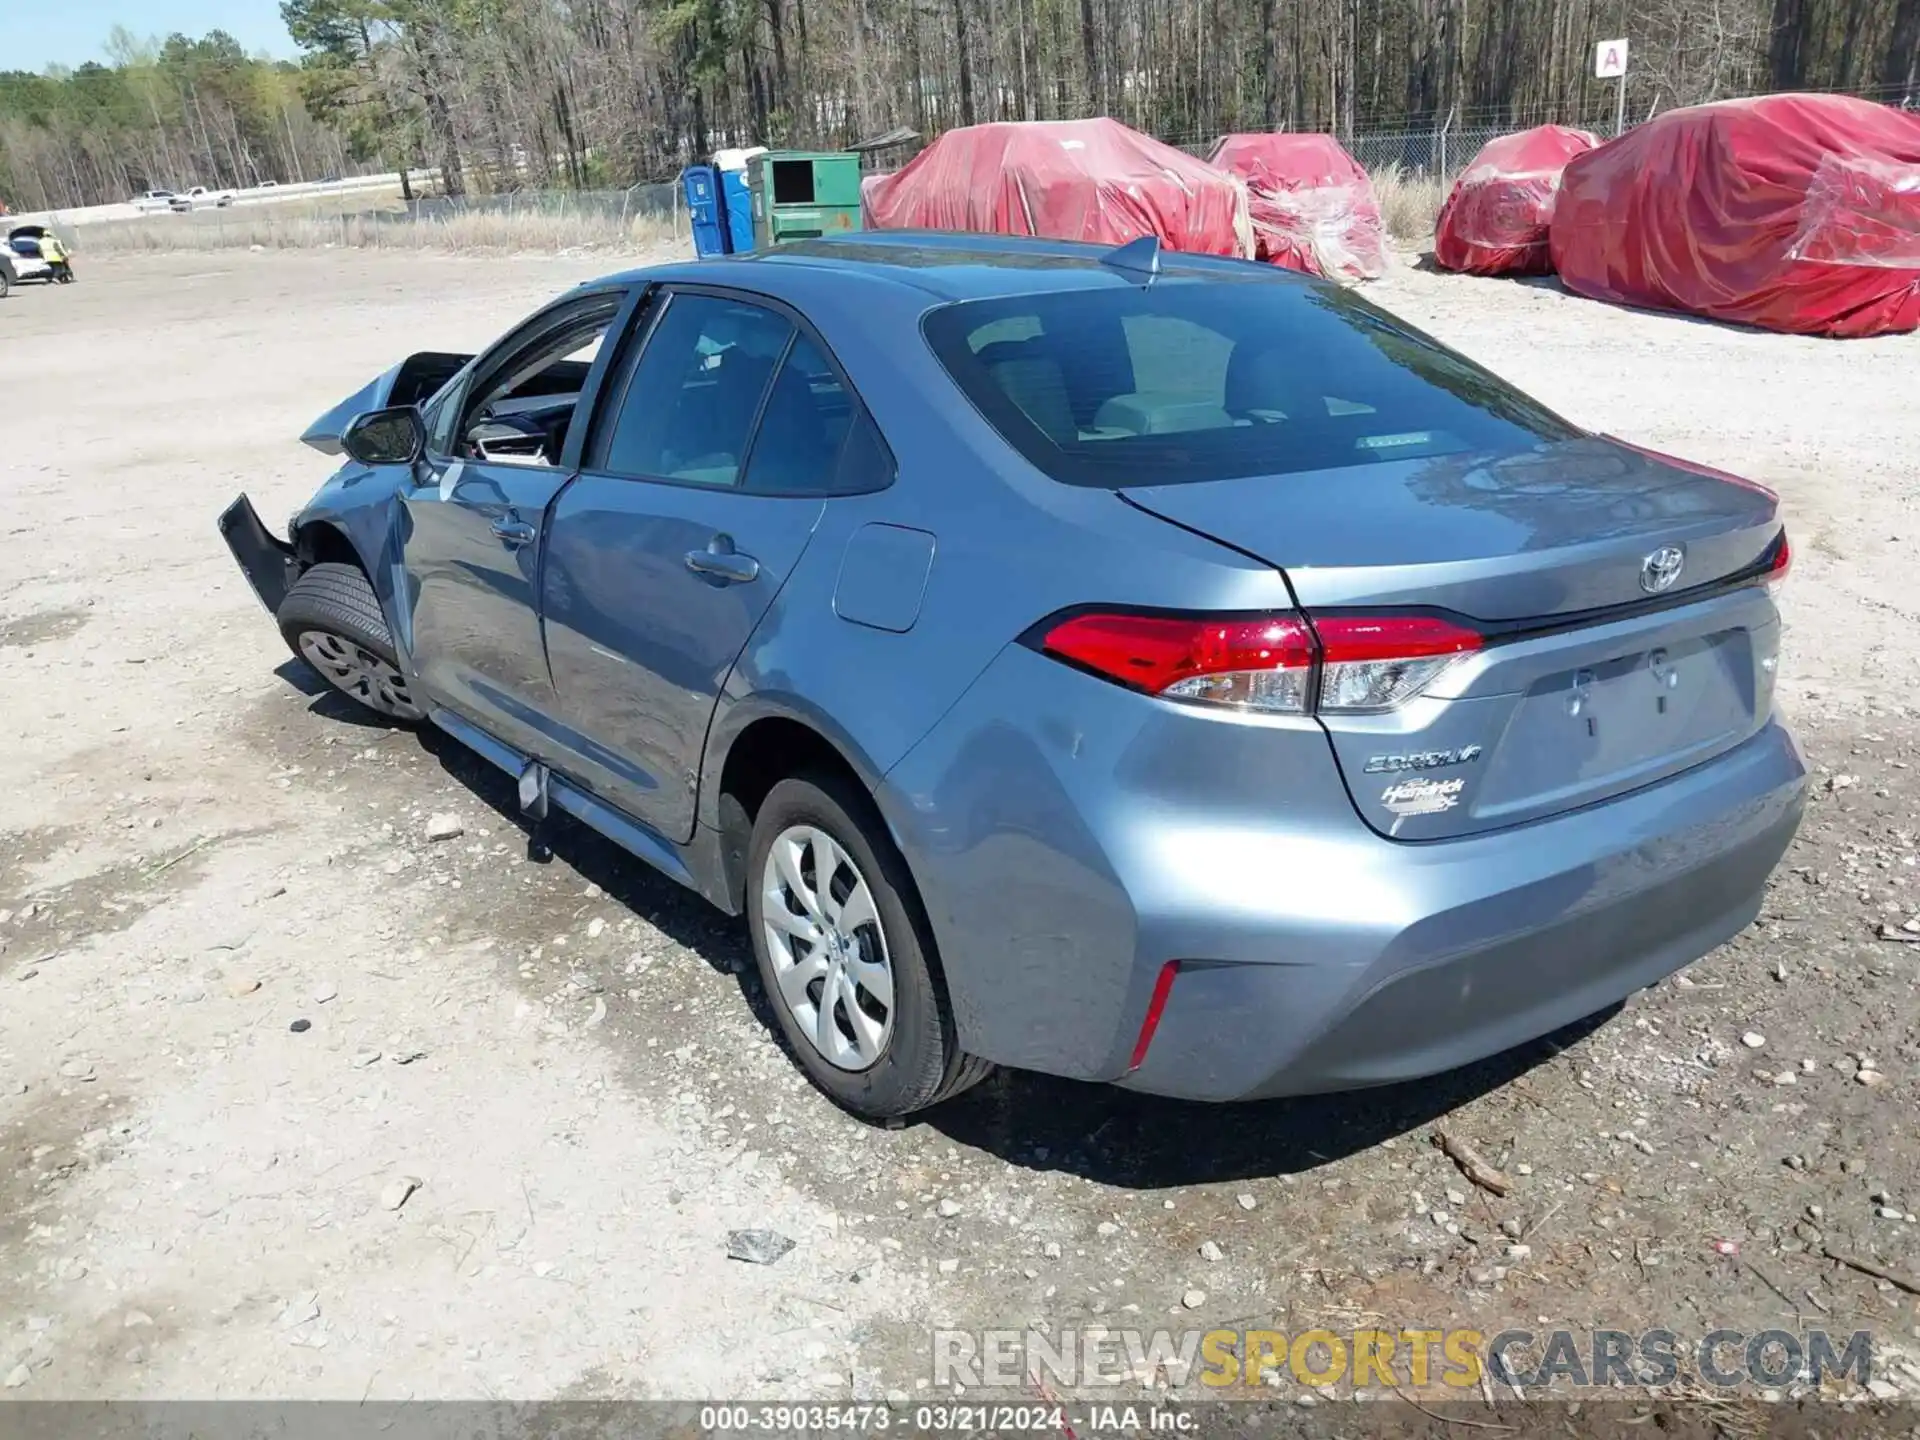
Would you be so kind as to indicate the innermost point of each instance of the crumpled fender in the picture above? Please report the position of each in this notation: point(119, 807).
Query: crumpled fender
point(363, 506)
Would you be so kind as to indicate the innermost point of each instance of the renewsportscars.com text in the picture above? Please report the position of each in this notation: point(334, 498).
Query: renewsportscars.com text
point(1457, 1358)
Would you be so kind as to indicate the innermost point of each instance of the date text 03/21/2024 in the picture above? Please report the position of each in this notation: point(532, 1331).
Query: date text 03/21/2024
point(956, 1419)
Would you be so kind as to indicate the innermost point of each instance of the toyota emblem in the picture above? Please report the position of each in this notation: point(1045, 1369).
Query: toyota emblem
point(1660, 569)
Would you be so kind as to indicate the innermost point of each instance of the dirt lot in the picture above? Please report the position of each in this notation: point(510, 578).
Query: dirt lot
point(200, 850)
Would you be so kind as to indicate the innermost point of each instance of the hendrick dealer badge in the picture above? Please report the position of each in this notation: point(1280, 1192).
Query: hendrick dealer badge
point(1422, 796)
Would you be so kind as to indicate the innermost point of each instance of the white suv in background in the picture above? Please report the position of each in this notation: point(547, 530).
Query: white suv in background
point(200, 195)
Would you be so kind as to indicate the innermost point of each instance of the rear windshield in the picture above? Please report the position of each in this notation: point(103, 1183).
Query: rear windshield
point(1194, 380)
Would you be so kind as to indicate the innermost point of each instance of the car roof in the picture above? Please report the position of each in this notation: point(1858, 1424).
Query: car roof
point(948, 266)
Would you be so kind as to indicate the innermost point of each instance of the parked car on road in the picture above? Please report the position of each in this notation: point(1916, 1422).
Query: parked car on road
point(1155, 669)
point(154, 200)
point(200, 196)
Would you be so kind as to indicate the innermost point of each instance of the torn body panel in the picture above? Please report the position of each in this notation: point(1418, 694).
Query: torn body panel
point(269, 564)
point(414, 381)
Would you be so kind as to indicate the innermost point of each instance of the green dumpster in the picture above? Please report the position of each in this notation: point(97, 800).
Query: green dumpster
point(802, 195)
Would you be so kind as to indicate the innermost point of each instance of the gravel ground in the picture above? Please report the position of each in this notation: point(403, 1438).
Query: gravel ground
point(296, 1101)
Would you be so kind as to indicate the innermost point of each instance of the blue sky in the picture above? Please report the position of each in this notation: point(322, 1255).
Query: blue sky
point(38, 33)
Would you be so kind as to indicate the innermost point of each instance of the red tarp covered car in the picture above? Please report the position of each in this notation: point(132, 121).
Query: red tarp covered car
point(1496, 216)
point(1312, 206)
point(1092, 180)
point(1792, 212)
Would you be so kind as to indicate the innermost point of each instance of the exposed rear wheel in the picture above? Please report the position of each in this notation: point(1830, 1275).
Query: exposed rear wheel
point(845, 956)
point(331, 619)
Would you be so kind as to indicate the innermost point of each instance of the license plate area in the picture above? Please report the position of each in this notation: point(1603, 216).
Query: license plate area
point(1609, 724)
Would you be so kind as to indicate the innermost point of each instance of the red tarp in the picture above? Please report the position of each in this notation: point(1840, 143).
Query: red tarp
point(1496, 216)
point(1312, 206)
point(1092, 180)
point(1792, 212)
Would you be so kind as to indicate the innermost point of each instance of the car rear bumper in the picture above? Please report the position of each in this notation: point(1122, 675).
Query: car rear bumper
point(1311, 955)
point(269, 564)
point(1528, 950)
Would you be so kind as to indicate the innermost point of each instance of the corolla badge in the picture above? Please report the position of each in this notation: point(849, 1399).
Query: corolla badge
point(1421, 760)
point(1660, 569)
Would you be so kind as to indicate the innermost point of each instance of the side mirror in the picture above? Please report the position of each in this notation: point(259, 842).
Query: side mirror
point(394, 436)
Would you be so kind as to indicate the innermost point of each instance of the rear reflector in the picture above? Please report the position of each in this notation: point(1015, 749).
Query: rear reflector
point(1162, 987)
point(1272, 663)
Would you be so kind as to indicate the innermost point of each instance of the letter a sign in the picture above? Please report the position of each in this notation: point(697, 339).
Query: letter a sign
point(1610, 59)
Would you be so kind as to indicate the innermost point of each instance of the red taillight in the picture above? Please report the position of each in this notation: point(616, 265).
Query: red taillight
point(1272, 662)
point(1349, 638)
point(1162, 987)
point(1191, 657)
point(1782, 561)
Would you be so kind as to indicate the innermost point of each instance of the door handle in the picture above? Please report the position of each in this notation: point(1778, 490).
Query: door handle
point(722, 564)
point(513, 533)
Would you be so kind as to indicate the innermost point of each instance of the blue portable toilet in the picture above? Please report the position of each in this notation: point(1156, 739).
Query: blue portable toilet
point(739, 208)
point(704, 207)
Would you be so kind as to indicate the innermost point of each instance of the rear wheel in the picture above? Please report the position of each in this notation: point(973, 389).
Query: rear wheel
point(845, 956)
point(331, 619)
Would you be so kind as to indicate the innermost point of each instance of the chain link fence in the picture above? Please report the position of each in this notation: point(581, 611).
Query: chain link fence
point(1420, 157)
point(1441, 154)
point(1432, 153)
point(537, 220)
point(657, 200)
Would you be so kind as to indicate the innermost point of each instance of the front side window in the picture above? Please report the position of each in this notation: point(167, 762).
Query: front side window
point(443, 414)
point(1196, 380)
point(517, 409)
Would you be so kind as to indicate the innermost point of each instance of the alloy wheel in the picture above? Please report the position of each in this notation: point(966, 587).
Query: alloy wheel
point(828, 947)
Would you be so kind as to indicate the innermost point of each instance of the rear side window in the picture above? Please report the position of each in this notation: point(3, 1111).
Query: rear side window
point(866, 464)
point(797, 447)
point(1187, 381)
point(691, 401)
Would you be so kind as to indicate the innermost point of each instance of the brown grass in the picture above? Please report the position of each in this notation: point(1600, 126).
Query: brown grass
point(283, 229)
point(1409, 204)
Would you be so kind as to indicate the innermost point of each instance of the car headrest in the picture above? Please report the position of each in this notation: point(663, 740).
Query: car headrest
point(756, 333)
point(1039, 388)
point(1270, 379)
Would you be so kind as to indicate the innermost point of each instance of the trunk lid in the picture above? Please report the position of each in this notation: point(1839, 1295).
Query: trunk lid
point(1596, 678)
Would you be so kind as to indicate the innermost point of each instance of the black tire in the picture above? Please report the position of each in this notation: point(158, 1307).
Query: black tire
point(331, 619)
point(6, 281)
point(922, 1063)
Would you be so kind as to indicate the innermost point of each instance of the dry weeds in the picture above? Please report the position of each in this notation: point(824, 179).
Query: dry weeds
point(1409, 203)
point(475, 232)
